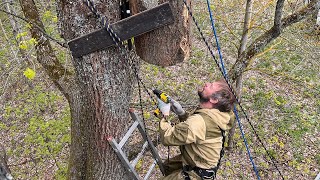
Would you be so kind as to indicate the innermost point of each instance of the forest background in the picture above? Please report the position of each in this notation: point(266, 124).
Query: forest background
point(280, 92)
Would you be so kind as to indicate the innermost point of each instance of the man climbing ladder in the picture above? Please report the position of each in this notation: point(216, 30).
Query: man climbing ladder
point(200, 135)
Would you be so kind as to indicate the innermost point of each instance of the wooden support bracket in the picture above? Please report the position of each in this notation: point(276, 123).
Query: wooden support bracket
point(127, 28)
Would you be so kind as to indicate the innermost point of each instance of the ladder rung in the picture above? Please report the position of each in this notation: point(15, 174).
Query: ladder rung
point(147, 138)
point(128, 134)
point(130, 166)
point(123, 158)
point(144, 147)
point(150, 170)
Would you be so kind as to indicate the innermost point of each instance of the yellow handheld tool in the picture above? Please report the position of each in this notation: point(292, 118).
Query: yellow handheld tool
point(163, 97)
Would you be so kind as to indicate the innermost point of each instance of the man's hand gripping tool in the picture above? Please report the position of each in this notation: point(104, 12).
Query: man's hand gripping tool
point(163, 97)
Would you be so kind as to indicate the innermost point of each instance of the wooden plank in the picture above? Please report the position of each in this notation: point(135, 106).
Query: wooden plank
point(127, 28)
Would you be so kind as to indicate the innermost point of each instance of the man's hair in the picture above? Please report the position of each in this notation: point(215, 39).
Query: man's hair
point(224, 96)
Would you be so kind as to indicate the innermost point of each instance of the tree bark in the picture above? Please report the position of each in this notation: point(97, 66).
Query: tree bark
point(167, 45)
point(274, 32)
point(242, 48)
point(45, 54)
point(245, 32)
point(98, 94)
point(100, 104)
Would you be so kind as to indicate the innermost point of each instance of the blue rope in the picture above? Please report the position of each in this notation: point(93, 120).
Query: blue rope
point(245, 141)
point(226, 77)
point(217, 41)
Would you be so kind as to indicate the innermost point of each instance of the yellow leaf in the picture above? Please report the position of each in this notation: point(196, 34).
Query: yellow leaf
point(139, 164)
point(28, 25)
point(47, 13)
point(281, 144)
point(21, 35)
point(29, 73)
point(55, 19)
point(33, 41)
point(228, 163)
point(147, 115)
point(23, 45)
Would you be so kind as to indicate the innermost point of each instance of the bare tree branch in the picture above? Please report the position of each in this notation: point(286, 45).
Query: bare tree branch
point(60, 76)
point(278, 15)
point(242, 48)
point(247, 18)
point(258, 45)
point(63, 44)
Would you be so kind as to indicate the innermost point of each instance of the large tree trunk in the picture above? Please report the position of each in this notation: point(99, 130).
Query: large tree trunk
point(100, 103)
point(98, 94)
point(167, 45)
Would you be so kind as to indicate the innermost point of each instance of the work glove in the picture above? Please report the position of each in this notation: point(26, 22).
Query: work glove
point(177, 108)
point(164, 107)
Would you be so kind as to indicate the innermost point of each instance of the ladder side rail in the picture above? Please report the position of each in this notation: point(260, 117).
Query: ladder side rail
point(147, 138)
point(144, 147)
point(123, 158)
point(150, 170)
point(128, 134)
point(153, 150)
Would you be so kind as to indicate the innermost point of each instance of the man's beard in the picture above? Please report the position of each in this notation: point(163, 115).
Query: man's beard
point(202, 98)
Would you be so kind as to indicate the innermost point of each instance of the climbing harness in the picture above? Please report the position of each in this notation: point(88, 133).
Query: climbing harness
point(205, 173)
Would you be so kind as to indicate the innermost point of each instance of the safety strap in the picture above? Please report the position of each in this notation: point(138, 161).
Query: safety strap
point(203, 172)
point(222, 149)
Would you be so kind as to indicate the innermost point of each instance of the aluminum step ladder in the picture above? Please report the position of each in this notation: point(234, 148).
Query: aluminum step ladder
point(147, 143)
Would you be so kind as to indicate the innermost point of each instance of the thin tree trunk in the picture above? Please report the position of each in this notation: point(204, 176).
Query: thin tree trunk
point(245, 33)
point(243, 45)
point(45, 54)
point(245, 54)
point(318, 18)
